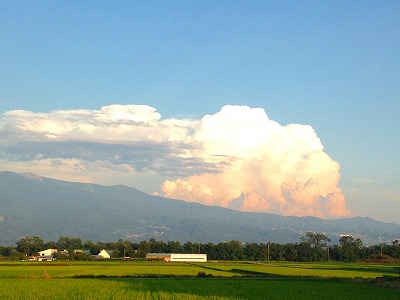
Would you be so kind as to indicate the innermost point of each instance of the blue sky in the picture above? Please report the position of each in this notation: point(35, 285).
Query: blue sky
point(333, 65)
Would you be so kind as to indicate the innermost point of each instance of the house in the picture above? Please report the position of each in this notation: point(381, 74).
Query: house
point(45, 255)
point(103, 254)
point(178, 257)
point(45, 258)
point(47, 252)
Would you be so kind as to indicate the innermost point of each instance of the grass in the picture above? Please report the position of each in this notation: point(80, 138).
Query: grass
point(88, 289)
point(109, 268)
point(192, 289)
point(349, 270)
point(225, 269)
point(105, 280)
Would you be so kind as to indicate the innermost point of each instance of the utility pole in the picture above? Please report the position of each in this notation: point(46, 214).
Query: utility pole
point(268, 250)
point(328, 254)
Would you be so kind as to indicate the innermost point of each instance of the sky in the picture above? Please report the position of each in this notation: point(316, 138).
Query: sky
point(288, 107)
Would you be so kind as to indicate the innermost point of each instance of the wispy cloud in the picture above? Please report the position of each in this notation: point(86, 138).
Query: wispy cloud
point(236, 158)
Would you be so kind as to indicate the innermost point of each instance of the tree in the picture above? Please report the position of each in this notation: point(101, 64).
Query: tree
point(94, 249)
point(50, 245)
point(276, 251)
point(82, 256)
point(211, 251)
point(30, 245)
point(319, 243)
point(189, 247)
point(264, 252)
point(315, 239)
point(124, 248)
point(9, 252)
point(252, 251)
point(290, 252)
point(61, 255)
point(351, 248)
point(144, 248)
point(232, 250)
point(394, 250)
point(174, 247)
point(69, 243)
point(305, 252)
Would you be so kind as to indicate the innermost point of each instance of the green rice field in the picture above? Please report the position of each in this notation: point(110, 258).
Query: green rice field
point(212, 280)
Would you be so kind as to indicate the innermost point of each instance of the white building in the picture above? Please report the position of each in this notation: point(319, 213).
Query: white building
point(47, 252)
point(178, 257)
point(103, 254)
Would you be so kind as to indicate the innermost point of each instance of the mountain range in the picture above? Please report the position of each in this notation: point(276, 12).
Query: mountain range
point(31, 205)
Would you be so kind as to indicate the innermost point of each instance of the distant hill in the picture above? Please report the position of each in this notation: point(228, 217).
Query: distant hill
point(33, 205)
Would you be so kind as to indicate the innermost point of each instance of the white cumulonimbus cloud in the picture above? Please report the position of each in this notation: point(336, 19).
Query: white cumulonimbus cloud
point(236, 158)
point(269, 167)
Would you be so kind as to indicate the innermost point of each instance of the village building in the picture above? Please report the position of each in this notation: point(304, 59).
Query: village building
point(47, 252)
point(45, 255)
point(103, 254)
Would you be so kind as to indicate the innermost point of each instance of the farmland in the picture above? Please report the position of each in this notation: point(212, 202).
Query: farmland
point(222, 280)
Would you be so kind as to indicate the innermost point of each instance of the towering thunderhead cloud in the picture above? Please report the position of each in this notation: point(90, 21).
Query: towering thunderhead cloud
point(267, 167)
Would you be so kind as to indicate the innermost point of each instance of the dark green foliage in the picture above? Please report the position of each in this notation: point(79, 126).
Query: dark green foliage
point(30, 245)
point(68, 243)
point(94, 249)
point(204, 275)
point(349, 249)
point(83, 256)
point(62, 255)
point(315, 239)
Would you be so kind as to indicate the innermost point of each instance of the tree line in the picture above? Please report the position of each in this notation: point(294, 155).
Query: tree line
point(312, 247)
